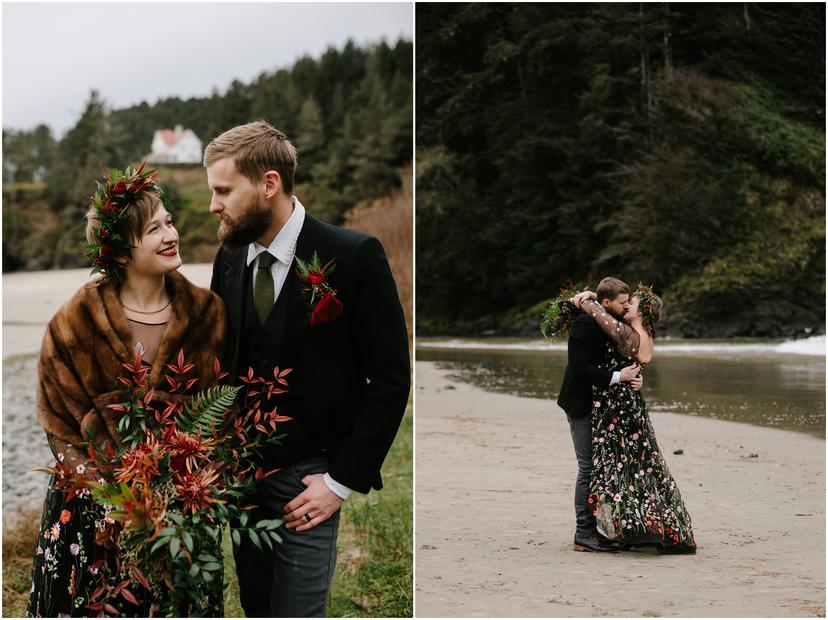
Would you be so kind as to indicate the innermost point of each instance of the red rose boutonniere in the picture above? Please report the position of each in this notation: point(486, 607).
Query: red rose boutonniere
point(314, 275)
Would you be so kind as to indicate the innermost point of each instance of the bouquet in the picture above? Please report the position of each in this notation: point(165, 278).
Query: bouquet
point(182, 472)
point(559, 313)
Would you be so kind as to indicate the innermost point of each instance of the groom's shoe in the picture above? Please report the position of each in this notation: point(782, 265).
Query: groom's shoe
point(591, 543)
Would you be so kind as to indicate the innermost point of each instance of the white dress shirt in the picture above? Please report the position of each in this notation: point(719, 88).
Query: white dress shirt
point(283, 249)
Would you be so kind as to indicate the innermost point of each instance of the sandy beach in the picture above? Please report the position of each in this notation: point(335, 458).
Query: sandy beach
point(494, 519)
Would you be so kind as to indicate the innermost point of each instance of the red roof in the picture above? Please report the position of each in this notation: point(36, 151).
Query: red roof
point(170, 136)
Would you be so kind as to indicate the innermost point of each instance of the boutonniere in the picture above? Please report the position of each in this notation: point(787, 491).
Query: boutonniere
point(314, 275)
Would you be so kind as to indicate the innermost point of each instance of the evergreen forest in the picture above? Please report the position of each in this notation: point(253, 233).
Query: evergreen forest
point(682, 145)
point(349, 112)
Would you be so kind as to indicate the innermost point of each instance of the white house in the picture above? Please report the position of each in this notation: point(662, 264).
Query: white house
point(178, 146)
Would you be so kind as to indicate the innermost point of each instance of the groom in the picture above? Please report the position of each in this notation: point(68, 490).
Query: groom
point(586, 350)
point(348, 349)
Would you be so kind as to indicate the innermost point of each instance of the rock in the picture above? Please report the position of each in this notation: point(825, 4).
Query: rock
point(24, 443)
point(679, 451)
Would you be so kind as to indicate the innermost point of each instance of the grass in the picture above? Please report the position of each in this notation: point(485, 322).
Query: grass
point(18, 552)
point(374, 553)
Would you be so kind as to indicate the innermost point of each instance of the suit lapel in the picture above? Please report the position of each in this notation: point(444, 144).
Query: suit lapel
point(299, 308)
point(234, 280)
point(233, 294)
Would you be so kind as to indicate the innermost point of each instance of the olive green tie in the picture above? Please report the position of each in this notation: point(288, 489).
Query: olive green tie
point(263, 290)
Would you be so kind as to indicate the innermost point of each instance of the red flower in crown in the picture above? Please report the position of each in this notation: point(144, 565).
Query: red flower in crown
point(315, 276)
point(109, 210)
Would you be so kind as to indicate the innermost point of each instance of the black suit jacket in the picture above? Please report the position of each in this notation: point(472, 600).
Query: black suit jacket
point(586, 349)
point(351, 377)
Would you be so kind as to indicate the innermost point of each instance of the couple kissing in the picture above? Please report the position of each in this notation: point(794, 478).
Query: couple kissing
point(624, 494)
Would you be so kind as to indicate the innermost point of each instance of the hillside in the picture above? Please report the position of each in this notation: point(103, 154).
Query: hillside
point(682, 145)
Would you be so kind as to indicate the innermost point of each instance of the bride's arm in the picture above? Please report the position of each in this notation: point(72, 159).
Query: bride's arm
point(626, 338)
point(646, 347)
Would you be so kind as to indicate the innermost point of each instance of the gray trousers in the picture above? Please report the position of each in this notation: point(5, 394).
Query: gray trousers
point(292, 581)
point(581, 430)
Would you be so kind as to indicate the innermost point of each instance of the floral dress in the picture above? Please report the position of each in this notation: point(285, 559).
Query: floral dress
point(69, 564)
point(632, 494)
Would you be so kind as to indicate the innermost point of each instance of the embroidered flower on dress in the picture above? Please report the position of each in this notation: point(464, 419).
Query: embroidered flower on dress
point(74, 548)
point(80, 468)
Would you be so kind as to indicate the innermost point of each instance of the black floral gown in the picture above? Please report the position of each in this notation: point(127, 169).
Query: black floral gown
point(69, 565)
point(632, 494)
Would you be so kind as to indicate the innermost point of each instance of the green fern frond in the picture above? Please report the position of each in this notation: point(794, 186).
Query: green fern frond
point(205, 413)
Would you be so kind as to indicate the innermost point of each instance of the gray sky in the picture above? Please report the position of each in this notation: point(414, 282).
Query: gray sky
point(55, 53)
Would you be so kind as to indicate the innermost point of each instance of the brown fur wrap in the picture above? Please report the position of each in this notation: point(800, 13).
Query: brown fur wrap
point(89, 339)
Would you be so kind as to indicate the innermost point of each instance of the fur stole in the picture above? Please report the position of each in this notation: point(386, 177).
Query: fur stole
point(89, 339)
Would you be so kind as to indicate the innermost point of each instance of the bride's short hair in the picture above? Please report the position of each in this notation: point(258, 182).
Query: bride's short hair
point(610, 288)
point(256, 148)
point(140, 211)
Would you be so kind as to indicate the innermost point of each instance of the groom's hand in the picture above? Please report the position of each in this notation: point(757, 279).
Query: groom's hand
point(637, 382)
point(317, 501)
point(630, 372)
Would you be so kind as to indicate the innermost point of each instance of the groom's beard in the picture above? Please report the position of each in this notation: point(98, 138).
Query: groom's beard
point(249, 226)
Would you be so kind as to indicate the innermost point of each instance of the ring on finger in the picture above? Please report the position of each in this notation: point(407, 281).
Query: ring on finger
point(308, 517)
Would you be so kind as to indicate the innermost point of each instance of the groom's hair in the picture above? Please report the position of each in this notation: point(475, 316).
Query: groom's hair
point(256, 148)
point(610, 288)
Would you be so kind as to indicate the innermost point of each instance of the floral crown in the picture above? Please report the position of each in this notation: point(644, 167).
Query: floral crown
point(110, 206)
point(649, 305)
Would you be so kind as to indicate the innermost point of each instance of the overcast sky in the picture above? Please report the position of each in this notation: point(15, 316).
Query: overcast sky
point(55, 53)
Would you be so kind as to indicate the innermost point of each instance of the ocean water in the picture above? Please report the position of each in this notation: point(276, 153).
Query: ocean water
point(778, 384)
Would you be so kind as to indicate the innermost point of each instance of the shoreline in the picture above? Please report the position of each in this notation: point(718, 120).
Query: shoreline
point(813, 346)
point(495, 478)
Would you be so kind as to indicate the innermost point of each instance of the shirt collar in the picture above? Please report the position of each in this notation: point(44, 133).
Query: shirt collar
point(283, 247)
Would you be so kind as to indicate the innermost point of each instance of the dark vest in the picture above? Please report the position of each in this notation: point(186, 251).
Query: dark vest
point(264, 349)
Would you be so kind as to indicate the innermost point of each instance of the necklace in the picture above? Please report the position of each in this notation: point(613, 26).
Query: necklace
point(143, 312)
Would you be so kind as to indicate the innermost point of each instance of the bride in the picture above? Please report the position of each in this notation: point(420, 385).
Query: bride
point(632, 494)
point(139, 304)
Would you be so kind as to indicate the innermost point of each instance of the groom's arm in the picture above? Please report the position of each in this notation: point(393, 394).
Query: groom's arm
point(378, 329)
point(581, 341)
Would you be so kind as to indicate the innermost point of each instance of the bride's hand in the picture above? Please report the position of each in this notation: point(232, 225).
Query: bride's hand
point(581, 297)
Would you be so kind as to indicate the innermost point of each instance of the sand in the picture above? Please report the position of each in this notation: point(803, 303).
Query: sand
point(494, 516)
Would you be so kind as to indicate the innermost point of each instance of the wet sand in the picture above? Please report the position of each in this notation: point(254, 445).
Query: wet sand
point(494, 519)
